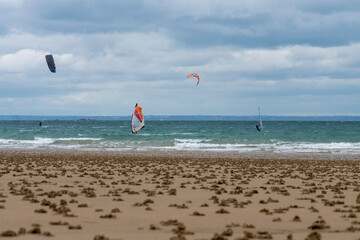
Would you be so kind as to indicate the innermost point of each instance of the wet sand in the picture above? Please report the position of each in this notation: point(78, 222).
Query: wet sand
point(109, 195)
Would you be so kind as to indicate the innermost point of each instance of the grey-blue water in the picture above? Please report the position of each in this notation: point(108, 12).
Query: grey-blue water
point(240, 136)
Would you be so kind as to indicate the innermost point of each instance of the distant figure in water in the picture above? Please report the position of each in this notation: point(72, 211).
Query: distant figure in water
point(40, 123)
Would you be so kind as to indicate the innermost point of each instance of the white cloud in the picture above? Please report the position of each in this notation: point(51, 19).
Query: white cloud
point(137, 55)
point(22, 60)
point(29, 60)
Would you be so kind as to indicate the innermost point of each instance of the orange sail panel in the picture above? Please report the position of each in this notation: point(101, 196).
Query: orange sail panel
point(137, 121)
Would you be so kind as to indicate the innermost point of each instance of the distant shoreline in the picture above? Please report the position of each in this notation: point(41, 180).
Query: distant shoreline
point(184, 118)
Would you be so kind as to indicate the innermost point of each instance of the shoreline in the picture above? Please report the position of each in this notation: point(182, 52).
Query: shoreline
point(197, 154)
point(81, 195)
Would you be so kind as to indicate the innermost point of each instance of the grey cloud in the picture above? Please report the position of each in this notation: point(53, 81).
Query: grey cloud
point(195, 23)
point(291, 57)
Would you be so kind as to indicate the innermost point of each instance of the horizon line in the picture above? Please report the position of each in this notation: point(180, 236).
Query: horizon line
point(179, 118)
point(176, 115)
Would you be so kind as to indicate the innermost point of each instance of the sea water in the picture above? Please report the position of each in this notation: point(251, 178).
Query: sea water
point(221, 136)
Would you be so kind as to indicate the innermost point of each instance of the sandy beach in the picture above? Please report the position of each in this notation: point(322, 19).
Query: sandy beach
point(102, 195)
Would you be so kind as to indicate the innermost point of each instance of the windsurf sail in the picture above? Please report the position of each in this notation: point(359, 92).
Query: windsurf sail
point(259, 126)
point(51, 63)
point(196, 76)
point(137, 120)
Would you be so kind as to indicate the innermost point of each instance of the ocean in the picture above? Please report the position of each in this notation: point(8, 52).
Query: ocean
point(220, 136)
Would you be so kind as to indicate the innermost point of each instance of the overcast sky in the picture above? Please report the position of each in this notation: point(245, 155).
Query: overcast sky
point(298, 57)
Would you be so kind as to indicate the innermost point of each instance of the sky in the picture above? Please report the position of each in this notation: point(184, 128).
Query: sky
point(297, 57)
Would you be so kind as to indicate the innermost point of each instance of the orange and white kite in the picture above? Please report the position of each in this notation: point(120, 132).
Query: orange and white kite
point(194, 75)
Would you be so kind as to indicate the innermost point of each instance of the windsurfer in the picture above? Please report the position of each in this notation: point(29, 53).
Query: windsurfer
point(137, 120)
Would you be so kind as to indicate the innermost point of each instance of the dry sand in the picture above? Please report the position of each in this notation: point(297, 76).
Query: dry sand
point(96, 195)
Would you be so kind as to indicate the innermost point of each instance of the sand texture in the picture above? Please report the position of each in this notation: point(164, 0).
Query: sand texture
point(94, 195)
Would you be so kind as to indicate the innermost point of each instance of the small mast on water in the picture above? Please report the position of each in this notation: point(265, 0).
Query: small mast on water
point(259, 126)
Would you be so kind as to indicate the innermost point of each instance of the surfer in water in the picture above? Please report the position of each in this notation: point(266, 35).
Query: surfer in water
point(40, 123)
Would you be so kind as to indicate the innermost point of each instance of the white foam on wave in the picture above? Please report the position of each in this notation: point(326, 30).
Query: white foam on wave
point(42, 142)
point(164, 134)
point(36, 141)
point(193, 144)
point(205, 144)
point(77, 139)
point(274, 146)
point(341, 147)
